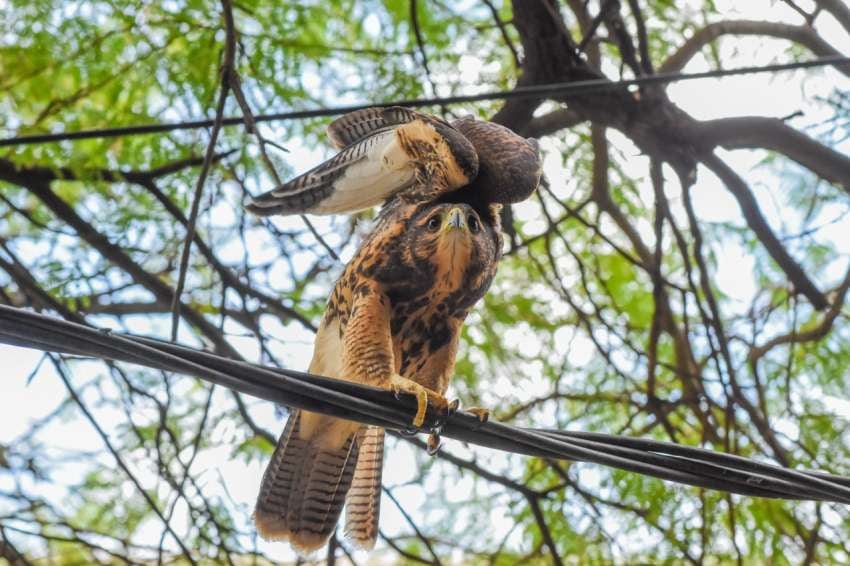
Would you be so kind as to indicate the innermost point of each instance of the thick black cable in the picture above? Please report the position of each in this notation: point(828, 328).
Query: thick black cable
point(533, 91)
point(672, 462)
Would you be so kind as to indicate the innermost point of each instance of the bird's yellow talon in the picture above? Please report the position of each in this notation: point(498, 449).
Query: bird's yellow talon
point(421, 408)
point(399, 384)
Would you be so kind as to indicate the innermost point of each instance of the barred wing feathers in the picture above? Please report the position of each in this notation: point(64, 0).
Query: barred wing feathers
point(385, 151)
point(354, 126)
point(360, 176)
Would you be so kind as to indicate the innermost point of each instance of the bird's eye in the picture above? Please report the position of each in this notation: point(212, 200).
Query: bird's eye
point(474, 225)
point(434, 223)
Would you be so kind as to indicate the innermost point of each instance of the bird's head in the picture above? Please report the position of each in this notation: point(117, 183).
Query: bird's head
point(462, 246)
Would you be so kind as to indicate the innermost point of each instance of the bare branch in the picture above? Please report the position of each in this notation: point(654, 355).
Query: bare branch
point(687, 370)
point(544, 530)
point(420, 44)
point(757, 223)
point(803, 35)
point(810, 18)
point(227, 65)
point(552, 122)
point(40, 188)
point(504, 31)
point(643, 39)
point(753, 132)
point(235, 83)
point(839, 10)
point(118, 459)
point(816, 333)
point(146, 179)
point(413, 525)
point(8, 551)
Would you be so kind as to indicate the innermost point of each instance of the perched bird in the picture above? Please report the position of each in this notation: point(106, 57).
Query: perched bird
point(394, 317)
point(393, 321)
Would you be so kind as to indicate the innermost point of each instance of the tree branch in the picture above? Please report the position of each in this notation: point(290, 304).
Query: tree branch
point(753, 132)
point(118, 459)
point(839, 10)
point(504, 31)
point(643, 39)
point(235, 83)
point(40, 188)
point(803, 35)
point(551, 123)
point(413, 525)
point(687, 370)
point(544, 530)
point(227, 65)
point(758, 224)
point(8, 551)
point(815, 333)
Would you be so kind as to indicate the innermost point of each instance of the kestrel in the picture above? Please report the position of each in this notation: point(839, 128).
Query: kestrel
point(394, 317)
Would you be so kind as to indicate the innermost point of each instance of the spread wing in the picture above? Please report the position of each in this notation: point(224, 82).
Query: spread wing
point(509, 167)
point(355, 126)
point(385, 151)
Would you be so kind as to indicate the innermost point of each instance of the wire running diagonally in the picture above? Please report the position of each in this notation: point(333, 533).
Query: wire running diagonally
point(533, 91)
point(664, 460)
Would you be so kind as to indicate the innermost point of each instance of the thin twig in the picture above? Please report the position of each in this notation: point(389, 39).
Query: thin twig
point(544, 530)
point(227, 65)
point(413, 525)
point(118, 459)
point(420, 44)
point(504, 31)
point(232, 78)
point(758, 224)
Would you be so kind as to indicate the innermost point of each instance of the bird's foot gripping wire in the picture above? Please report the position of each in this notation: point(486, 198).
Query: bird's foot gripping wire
point(399, 384)
point(434, 439)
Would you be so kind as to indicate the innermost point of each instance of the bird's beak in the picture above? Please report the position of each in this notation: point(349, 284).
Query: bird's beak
point(455, 220)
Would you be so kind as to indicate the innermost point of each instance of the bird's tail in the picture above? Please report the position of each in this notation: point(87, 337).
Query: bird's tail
point(363, 504)
point(305, 484)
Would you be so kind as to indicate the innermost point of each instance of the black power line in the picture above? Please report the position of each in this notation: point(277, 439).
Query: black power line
point(667, 461)
point(534, 91)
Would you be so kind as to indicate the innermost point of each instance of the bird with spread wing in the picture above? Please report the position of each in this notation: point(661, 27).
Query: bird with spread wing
point(394, 317)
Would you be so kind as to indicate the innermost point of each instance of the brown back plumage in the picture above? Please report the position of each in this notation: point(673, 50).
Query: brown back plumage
point(509, 166)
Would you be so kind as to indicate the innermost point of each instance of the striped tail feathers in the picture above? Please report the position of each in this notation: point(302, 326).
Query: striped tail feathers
point(363, 504)
point(303, 490)
point(273, 499)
